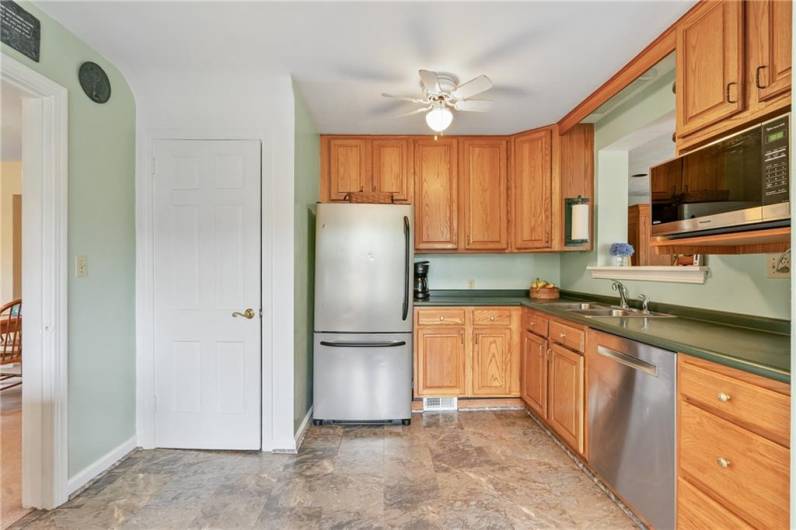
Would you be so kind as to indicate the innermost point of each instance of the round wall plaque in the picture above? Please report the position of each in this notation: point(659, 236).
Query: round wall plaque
point(95, 82)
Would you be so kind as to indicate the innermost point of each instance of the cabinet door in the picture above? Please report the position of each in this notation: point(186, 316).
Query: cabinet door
point(440, 361)
point(531, 181)
point(491, 365)
point(349, 167)
point(484, 178)
point(436, 194)
point(769, 33)
point(710, 63)
point(534, 372)
point(392, 172)
point(565, 411)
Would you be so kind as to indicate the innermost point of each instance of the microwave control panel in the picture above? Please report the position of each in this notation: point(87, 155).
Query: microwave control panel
point(775, 160)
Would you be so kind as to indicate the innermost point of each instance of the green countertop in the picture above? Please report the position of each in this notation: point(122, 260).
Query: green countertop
point(756, 345)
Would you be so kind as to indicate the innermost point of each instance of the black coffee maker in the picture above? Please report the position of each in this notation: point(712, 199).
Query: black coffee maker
point(421, 280)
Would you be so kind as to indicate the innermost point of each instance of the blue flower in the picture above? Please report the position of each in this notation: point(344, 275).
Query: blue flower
point(622, 249)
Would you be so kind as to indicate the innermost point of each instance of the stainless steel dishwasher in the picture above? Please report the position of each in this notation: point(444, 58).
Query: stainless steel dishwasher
point(631, 415)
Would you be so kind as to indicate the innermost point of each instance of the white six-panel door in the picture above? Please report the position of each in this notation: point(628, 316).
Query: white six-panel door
point(207, 266)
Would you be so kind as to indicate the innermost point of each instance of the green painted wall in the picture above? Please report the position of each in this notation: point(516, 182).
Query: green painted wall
point(490, 271)
point(307, 179)
point(102, 227)
point(737, 284)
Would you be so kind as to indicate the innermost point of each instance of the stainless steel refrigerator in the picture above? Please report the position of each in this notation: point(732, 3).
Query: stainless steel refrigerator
point(362, 366)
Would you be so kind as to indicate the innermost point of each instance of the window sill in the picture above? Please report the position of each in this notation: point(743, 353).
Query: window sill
point(686, 274)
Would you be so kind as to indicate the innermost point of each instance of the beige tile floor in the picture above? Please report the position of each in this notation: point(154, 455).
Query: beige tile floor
point(465, 470)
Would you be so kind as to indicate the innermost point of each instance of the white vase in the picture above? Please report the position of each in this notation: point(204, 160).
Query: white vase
point(622, 261)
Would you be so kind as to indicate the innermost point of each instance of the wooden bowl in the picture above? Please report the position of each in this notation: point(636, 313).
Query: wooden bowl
point(545, 293)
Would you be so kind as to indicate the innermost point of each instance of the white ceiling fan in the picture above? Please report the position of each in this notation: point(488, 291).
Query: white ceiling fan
point(441, 93)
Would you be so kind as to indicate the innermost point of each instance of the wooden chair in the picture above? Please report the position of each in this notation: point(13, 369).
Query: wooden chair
point(11, 342)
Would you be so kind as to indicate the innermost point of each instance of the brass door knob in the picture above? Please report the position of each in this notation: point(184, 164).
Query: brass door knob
point(247, 313)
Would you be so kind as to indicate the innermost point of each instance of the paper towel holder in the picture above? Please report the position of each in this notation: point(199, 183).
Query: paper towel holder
point(576, 235)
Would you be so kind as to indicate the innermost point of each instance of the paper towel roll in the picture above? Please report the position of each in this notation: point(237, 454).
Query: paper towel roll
point(580, 222)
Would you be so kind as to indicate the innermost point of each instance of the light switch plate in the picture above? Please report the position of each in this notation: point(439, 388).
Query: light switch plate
point(778, 265)
point(81, 266)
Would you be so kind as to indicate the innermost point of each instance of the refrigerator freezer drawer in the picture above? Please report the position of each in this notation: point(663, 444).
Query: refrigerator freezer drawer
point(362, 377)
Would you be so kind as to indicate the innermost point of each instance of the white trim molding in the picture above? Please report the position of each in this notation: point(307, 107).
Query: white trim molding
point(99, 466)
point(685, 274)
point(44, 284)
point(302, 429)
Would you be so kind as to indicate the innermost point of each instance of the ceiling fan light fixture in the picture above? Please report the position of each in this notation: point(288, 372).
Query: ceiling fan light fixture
point(439, 118)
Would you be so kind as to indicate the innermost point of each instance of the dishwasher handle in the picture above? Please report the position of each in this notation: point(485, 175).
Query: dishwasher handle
point(628, 360)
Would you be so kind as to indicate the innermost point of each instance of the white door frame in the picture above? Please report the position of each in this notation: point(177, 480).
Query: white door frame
point(277, 361)
point(44, 285)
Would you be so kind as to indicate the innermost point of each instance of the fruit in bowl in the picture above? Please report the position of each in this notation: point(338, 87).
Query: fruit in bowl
point(542, 289)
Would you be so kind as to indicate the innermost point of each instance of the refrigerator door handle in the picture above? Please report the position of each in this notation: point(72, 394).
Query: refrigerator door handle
point(382, 344)
point(406, 267)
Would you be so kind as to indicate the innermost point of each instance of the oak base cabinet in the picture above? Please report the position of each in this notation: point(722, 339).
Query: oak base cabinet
point(733, 451)
point(553, 375)
point(467, 351)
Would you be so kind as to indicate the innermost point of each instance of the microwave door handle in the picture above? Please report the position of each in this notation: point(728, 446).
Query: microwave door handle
point(628, 360)
point(405, 312)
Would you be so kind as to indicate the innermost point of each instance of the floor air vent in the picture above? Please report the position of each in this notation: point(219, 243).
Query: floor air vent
point(431, 404)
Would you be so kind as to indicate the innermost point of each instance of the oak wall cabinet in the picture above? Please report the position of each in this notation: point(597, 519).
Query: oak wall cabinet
point(483, 174)
point(639, 233)
point(531, 186)
point(467, 351)
point(436, 194)
point(471, 193)
point(733, 67)
point(351, 164)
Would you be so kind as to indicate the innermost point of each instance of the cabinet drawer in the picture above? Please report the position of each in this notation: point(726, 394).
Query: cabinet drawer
point(440, 317)
point(696, 511)
point(491, 317)
point(746, 472)
point(572, 338)
point(761, 410)
point(535, 323)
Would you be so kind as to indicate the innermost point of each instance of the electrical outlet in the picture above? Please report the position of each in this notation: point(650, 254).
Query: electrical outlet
point(471, 284)
point(81, 266)
point(778, 265)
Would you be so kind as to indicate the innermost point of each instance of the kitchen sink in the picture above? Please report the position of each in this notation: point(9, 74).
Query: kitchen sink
point(619, 313)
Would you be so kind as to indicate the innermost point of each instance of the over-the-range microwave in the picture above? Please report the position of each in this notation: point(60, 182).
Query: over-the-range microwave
point(740, 182)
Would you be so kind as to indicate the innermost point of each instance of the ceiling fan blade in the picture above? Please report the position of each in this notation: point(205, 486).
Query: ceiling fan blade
point(413, 99)
point(472, 87)
point(473, 105)
point(429, 80)
point(416, 111)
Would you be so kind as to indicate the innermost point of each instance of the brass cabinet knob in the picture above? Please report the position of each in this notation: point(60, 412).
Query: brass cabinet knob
point(723, 397)
point(247, 313)
point(441, 319)
point(723, 462)
point(492, 317)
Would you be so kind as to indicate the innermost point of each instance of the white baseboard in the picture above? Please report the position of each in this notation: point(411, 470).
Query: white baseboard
point(302, 430)
point(96, 468)
point(289, 446)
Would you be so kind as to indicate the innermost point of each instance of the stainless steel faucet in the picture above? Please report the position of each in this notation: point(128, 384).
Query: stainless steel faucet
point(645, 303)
point(622, 290)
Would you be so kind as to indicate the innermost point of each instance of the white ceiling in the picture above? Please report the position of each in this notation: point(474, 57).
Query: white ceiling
point(543, 57)
point(10, 122)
